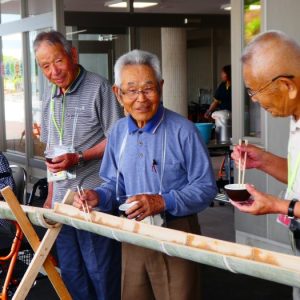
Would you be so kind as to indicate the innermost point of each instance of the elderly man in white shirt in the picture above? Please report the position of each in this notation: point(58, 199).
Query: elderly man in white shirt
point(271, 70)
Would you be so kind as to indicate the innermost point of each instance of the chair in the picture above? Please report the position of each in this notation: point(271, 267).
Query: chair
point(8, 261)
point(20, 178)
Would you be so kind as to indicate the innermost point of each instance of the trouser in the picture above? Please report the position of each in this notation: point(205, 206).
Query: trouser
point(295, 241)
point(148, 274)
point(90, 264)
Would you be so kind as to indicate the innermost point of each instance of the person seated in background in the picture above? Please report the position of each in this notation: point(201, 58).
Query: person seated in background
point(6, 178)
point(222, 97)
point(157, 159)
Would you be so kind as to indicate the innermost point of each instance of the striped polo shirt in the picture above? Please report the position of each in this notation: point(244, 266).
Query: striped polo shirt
point(91, 96)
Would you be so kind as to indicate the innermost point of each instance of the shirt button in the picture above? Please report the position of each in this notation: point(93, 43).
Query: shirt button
point(140, 143)
point(141, 155)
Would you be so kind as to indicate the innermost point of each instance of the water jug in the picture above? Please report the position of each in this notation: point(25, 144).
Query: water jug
point(223, 126)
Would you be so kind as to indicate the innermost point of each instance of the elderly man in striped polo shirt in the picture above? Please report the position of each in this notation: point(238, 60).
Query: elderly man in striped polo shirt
point(79, 109)
point(158, 160)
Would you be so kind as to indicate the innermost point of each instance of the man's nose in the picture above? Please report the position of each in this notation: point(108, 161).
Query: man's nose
point(54, 69)
point(141, 96)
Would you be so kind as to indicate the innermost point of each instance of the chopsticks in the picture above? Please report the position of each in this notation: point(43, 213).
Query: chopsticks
point(242, 169)
point(85, 206)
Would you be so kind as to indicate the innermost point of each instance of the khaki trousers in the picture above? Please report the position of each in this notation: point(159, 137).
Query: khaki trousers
point(149, 274)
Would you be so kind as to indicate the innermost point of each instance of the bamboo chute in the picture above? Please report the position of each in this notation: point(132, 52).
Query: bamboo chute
point(237, 258)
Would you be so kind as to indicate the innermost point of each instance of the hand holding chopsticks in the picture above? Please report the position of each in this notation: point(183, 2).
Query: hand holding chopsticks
point(85, 206)
point(241, 174)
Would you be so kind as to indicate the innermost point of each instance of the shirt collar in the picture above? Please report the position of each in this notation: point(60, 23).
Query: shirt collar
point(294, 125)
point(74, 85)
point(151, 126)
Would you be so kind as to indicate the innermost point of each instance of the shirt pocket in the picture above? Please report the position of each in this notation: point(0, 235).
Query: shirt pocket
point(173, 175)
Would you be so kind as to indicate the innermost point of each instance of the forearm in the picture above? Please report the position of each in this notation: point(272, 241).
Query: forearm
point(50, 190)
point(282, 206)
point(275, 166)
point(213, 105)
point(95, 152)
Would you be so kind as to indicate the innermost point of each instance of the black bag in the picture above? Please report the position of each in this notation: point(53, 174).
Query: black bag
point(295, 229)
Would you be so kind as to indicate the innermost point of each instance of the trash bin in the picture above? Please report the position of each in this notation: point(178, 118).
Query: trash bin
point(205, 130)
point(223, 126)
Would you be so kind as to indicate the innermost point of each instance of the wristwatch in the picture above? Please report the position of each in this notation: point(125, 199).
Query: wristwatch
point(80, 158)
point(291, 208)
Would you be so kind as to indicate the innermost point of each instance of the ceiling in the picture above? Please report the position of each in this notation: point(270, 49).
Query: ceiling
point(165, 6)
point(201, 7)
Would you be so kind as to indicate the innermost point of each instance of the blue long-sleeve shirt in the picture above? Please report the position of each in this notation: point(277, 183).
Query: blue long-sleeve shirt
point(168, 155)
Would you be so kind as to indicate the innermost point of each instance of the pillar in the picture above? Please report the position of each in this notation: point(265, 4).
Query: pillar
point(174, 69)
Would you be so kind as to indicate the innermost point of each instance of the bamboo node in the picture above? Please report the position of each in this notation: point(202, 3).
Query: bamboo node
point(115, 236)
point(226, 263)
point(163, 248)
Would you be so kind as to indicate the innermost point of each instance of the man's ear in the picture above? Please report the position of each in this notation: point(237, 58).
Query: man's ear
point(289, 86)
point(116, 91)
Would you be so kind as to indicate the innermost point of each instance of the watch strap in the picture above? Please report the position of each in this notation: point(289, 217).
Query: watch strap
point(291, 208)
point(81, 158)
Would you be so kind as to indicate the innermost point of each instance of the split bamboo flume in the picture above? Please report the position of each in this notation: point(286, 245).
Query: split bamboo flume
point(233, 257)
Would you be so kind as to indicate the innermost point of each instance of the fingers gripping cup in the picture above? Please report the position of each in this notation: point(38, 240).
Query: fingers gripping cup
point(49, 155)
point(237, 192)
point(123, 206)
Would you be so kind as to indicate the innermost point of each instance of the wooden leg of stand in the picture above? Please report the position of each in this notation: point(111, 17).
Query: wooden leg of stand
point(34, 241)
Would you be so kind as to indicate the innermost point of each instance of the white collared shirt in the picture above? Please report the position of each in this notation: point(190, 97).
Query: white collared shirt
point(294, 152)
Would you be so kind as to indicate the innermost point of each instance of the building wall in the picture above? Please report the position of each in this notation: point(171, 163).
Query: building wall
point(207, 59)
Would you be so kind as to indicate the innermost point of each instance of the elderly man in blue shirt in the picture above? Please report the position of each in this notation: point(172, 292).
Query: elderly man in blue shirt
point(157, 160)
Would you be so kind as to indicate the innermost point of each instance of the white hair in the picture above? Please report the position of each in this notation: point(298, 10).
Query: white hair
point(268, 37)
point(137, 57)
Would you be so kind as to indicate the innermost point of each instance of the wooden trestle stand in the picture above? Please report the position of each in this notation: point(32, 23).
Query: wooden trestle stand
point(236, 258)
point(41, 249)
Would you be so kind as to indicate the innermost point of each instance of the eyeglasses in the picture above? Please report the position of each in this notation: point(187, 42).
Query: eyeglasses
point(252, 93)
point(148, 92)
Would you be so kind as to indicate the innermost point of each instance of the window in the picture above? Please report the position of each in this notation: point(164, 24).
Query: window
point(12, 71)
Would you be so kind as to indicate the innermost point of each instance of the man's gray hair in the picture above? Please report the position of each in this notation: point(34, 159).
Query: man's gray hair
point(268, 37)
point(137, 57)
point(52, 37)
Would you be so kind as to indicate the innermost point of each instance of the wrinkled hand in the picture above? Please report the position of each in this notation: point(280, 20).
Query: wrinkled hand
point(147, 205)
point(48, 203)
point(90, 196)
point(259, 204)
point(62, 162)
point(255, 156)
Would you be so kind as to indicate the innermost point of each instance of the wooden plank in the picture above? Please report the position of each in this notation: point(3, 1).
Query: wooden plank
point(40, 256)
point(35, 265)
point(34, 241)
